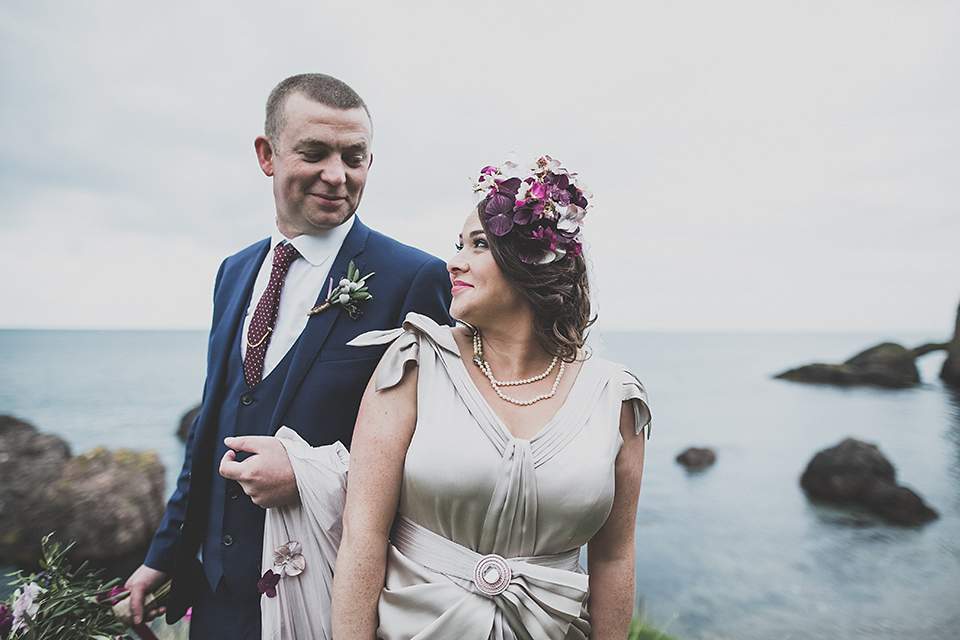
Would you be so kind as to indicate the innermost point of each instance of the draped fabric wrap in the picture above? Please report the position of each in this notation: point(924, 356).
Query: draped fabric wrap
point(470, 488)
point(301, 608)
point(543, 597)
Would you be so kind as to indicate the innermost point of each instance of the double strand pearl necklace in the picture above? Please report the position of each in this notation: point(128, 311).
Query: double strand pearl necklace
point(496, 384)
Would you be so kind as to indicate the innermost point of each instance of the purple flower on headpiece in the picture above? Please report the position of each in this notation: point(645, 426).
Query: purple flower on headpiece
point(499, 204)
point(528, 212)
point(546, 236)
point(539, 190)
point(540, 203)
point(560, 196)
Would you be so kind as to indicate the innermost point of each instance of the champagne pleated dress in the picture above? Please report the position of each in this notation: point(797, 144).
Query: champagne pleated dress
point(489, 526)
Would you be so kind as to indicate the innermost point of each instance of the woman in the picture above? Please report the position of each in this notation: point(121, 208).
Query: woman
point(486, 455)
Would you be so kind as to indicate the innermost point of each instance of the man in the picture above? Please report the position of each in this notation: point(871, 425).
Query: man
point(271, 364)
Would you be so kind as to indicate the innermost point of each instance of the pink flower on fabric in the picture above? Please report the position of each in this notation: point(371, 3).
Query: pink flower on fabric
point(289, 559)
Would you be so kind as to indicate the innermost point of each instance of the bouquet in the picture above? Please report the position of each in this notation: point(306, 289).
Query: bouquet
point(61, 603)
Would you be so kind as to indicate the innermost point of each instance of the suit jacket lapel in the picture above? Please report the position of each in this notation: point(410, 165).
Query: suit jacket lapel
point(318, 326)
point(231, 321)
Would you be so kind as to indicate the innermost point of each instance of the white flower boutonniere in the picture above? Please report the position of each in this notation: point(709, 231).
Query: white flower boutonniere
point(350, 291)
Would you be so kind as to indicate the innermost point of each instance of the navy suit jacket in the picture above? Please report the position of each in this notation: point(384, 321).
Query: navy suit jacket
point(321, 394)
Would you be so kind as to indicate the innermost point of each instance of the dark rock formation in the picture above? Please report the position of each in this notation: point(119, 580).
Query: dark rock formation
point(844, 472)
point(888, 365)
point(897, 504)
point(28, 462)
point(109, 502)
point(855, 472)
point(694, 459)
point(950, 373)
point(117, 500)
point(186, 422)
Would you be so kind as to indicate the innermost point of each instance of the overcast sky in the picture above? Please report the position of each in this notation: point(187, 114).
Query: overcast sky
point(755, 165)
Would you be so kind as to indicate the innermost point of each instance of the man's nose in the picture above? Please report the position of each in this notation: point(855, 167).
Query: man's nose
point(333, 172)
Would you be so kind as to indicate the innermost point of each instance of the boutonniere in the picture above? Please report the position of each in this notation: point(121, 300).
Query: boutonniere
point(347, 294)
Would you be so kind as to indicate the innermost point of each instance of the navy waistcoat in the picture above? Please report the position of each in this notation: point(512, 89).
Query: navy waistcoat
point(233, 542)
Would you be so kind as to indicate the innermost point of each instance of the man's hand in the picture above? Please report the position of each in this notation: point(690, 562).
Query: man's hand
point(266, 476)
point(140, 583)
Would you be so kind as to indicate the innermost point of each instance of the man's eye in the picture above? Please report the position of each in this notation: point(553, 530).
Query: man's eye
point(311, 157)
point(459, 246)
point(355, 161)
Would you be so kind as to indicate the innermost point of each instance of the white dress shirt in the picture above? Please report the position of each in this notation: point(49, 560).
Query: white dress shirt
point(306, 279)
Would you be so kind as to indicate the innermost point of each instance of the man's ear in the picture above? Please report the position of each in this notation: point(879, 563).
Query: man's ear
point(264, 154)
point(371, 161)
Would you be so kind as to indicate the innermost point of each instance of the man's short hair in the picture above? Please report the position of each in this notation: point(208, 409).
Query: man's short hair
point(315, 86)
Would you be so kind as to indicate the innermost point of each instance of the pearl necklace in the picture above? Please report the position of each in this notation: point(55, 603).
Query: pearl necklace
point(496, 384)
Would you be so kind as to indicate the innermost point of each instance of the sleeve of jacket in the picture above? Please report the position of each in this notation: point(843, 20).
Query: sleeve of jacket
point(163, 548)
point(160, 556)
point(429, 293)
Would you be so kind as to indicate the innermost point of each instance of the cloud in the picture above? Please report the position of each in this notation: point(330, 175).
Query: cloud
point(755, 165)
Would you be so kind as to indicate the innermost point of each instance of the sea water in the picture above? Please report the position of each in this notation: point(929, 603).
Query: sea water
point(735, 551)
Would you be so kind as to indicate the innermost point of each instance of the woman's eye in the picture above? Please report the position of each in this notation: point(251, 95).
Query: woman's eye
point(480, 243)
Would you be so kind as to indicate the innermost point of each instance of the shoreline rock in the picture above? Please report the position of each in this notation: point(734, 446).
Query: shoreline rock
point(950, 372)
point(696, 459)
point(108, 502)
point(888, 365)
point(855, 472)
point(186, 422)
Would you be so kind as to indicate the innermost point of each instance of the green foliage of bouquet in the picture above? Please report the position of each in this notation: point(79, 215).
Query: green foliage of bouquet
point(61, 603)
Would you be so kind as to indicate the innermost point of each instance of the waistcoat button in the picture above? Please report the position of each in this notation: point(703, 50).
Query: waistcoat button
point(246, 399)
point(227, 540)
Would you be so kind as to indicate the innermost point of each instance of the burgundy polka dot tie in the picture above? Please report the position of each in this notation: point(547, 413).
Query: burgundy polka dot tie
point(264, 318)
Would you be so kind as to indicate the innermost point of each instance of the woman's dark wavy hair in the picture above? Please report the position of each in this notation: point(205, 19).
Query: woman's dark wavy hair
point(557, 292)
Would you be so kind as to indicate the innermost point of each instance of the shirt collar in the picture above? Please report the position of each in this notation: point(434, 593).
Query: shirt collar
point(316, 249)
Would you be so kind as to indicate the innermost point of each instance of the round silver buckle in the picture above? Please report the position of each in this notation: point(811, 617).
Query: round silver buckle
point(492, 574)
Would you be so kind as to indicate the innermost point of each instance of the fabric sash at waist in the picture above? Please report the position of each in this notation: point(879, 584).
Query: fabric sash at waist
point(447, 557)
point(537, 597)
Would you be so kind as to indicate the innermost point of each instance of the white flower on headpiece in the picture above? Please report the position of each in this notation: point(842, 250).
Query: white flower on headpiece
point(552, 254)
point(486, 182)
point(568, 225)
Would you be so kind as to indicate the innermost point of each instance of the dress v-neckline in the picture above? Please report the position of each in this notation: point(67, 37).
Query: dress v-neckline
point(548, 426)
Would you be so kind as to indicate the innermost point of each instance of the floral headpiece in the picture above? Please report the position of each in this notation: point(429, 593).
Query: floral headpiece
point(542, 204)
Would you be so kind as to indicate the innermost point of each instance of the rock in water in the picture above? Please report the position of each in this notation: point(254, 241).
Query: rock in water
point(117, 502)
point(28, 462)
point(109, 502)
point(696, 458)
point(950, 373)
point(186, 422)
point(897, 504)
point(887, 365)
point(855, 472)
point(844, 472)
